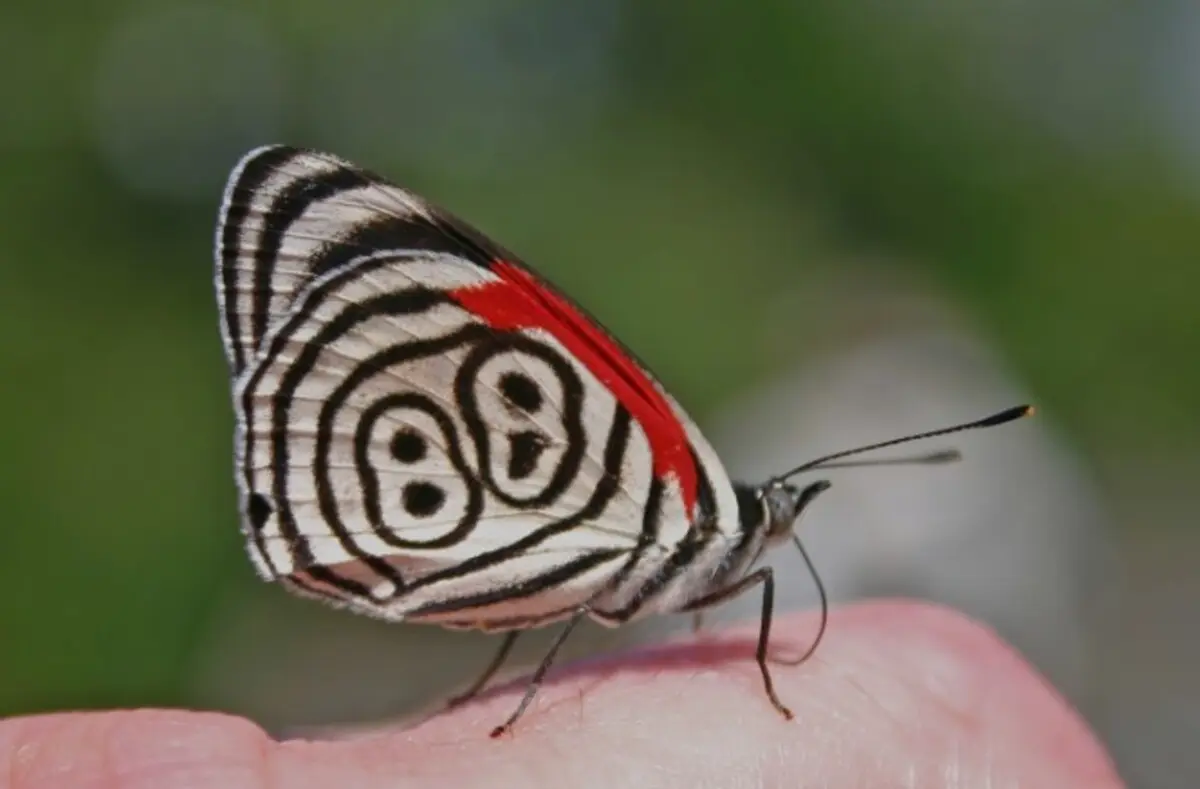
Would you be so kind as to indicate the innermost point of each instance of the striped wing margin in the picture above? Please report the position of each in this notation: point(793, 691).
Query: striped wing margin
point(290, 215)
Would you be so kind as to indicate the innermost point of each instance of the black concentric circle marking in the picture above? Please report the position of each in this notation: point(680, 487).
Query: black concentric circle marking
point(481, 434)
point(419, 498)
point(406, 302)
point(614, 455)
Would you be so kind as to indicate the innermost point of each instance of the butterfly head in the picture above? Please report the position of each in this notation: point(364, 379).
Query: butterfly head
point(783, 502)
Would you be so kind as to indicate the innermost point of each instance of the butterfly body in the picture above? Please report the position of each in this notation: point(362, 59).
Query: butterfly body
point(428, 431)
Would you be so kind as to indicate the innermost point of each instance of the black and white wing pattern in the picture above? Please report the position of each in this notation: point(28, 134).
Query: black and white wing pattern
point(429, 431)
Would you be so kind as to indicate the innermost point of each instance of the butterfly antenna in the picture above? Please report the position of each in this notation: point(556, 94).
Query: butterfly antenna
point(930, 459)
point(1003, 417)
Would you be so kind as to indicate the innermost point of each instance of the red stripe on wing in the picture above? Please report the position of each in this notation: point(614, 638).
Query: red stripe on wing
point(519, 301)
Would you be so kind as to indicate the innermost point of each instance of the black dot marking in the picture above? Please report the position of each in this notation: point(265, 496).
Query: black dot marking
point(423, 499)
point(408, 446)
point(521, 391)
point(525, 448)
point(259, 509)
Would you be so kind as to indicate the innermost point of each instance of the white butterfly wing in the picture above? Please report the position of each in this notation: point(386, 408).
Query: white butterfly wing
point(287, 217)
point(397, 453)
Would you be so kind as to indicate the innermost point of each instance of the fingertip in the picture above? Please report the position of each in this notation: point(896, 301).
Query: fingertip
point(897, 688)
point(163, 749)
point(897, 692)
point(965, 684)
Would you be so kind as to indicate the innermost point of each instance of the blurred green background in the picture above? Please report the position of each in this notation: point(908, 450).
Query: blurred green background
point(676, 167)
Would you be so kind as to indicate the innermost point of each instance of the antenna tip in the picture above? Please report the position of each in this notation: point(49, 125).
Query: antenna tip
point(1007, 415)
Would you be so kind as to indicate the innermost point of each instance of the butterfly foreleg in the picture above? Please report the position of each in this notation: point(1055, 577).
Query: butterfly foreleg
point(536, 681)
point(498, 660)
point(766, 577)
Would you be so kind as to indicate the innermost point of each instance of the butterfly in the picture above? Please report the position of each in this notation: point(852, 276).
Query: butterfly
point(429, 431)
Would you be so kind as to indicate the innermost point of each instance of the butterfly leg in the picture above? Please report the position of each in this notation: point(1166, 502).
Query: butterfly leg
point(766, 577)
point(543, 667)
point(501, 654)
point(697, 622)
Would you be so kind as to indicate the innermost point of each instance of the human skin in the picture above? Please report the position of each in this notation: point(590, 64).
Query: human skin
point(897, 695)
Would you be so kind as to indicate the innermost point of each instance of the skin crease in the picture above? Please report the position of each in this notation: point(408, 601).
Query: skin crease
point(898, 695)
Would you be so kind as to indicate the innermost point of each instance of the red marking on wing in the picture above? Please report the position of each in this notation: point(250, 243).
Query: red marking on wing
point(519, 301)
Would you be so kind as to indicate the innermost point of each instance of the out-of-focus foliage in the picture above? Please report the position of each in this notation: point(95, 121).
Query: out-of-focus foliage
point(680, 167)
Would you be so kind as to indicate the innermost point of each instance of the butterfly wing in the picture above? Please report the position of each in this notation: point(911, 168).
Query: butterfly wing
point(426, 428)
point(289, 216)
